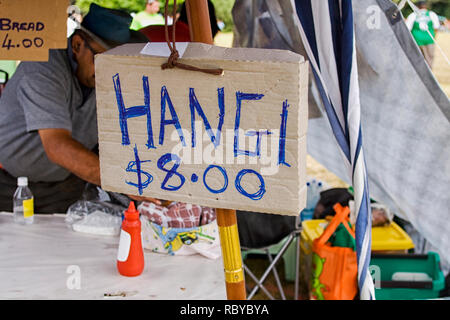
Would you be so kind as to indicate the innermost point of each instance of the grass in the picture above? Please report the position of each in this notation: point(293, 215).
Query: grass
point(224, 39)
point(441, 69)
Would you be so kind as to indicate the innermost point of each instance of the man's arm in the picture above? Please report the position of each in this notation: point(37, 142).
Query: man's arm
point(65, 151)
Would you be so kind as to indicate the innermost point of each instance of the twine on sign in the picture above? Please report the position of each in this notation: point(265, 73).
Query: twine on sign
point(173, 62)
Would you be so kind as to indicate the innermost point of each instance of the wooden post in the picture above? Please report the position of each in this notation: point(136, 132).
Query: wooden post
point(200, 31)
point(231, 254)
point(198, 19)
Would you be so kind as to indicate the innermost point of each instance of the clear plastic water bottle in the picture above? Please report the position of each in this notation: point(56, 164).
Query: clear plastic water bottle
point(23, 202)
point(312, 198)
point(316, 190)
point(310, 195)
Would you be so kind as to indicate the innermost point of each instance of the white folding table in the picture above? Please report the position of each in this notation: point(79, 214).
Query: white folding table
point(48, 260)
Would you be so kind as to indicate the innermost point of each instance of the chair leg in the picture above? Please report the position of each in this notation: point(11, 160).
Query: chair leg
point(257, 286)
point(297, 265)
point(279, 255)
point(275, 274)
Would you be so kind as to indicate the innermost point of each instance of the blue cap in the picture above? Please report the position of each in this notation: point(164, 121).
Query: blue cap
point(110, 25)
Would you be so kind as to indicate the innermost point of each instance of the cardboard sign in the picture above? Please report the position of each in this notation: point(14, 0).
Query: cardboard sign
point(29, 28)
point(234, 141)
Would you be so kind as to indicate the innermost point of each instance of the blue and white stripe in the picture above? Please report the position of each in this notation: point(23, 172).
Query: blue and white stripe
point(326, 28)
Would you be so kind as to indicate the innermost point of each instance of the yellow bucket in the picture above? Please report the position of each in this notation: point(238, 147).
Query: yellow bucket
point(386, 238)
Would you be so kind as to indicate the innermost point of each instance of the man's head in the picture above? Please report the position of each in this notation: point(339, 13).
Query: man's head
point(84, 48)
point(101, 29)
point(152, 6)
point(422, 4)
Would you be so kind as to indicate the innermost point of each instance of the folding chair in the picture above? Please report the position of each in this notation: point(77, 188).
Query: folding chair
point(271, 235)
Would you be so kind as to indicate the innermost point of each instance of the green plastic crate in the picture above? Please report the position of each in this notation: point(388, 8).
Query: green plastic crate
point(385, 269)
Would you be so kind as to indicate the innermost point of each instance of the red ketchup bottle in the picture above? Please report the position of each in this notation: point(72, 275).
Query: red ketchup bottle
point(130, 258)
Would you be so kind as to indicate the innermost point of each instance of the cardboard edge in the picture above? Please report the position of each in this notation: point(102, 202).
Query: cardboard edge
point(201, 51)
point(303, 78)
point(211, 203)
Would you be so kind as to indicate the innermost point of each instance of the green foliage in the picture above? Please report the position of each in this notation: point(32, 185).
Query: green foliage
point(222, 7)
point(126, 5)
point(442, 8)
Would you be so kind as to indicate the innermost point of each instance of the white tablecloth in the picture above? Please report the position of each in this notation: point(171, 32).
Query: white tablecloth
point(47, 260)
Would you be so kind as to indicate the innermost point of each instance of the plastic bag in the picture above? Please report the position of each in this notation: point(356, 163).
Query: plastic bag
point(95, 217)
point(98, 212)
point(381, 215)
point(334, 269)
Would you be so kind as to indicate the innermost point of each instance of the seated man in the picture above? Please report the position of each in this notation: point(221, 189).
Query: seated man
point(48, 120)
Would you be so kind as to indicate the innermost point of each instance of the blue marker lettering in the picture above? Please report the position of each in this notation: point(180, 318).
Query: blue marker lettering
point(163, 160)
point(239, 97)
point(135, 111)
point(165, 99)
point(282, 141)
point(137, 163)
point(225, 177)
point(254, 196)
point(258, 134)
point(195, 105)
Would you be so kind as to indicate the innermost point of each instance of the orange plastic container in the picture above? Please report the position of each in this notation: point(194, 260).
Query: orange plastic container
point(130, 257)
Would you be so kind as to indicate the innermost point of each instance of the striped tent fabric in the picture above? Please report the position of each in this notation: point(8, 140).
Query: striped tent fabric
point(326, 29)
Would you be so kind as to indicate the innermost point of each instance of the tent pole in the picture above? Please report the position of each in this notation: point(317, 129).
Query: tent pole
point(200, 31)
point(198, 19)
